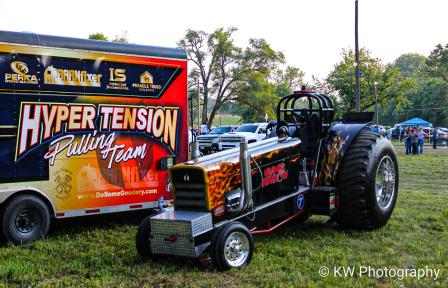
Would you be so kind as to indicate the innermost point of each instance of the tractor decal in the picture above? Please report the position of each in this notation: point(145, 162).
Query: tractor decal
point(224, 176)
point(331, 160)
point(224, 179)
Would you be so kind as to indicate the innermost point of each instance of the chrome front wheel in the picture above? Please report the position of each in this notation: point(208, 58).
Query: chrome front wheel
point(232, 246)
point(236, 249)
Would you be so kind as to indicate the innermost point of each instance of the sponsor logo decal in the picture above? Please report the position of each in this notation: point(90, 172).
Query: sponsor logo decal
point(300, 202)
point(219, 211)
point(274, 174)
point(117, 79)
point(20, 75)
point(63, 186)
point(60, 124)
point(71, 77)
point(332, 202)
point(147, 83)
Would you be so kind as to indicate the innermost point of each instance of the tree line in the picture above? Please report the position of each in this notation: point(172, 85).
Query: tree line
point(249, 81)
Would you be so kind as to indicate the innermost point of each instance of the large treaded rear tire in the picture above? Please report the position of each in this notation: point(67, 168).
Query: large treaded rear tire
point(359, 207)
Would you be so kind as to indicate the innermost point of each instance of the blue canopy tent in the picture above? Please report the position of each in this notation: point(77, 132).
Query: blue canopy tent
point(416, 122)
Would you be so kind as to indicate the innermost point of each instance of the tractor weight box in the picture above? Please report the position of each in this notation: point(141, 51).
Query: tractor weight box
point(174, 232)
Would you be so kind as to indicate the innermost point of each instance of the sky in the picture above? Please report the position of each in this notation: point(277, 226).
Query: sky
point(311, 33)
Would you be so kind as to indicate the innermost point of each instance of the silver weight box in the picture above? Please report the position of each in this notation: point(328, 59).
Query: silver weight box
point(173, 232)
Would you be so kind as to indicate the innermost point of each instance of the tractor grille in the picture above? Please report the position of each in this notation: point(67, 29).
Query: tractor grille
point(189, 189)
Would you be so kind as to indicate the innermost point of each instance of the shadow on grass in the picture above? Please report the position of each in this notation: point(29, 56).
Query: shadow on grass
point(105, 221)
point(175, 263)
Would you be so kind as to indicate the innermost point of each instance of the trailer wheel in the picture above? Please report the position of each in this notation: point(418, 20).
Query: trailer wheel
point(142, 240)
point(25, 218)
point(232, 246)
point(367, 182)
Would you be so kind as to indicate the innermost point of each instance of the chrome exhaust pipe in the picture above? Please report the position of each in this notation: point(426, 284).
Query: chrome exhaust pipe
point(194, 150)
point(245, 199)
point(246, 176)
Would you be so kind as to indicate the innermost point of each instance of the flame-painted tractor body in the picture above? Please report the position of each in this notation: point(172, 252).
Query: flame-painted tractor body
point(312, 166)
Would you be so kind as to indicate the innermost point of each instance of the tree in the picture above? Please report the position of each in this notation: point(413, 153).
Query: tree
point(223, 69)
point(430, 98)
point(123, 37)
point(411, 65)
point(391, 85)
point(438, 62)
point(98, 36)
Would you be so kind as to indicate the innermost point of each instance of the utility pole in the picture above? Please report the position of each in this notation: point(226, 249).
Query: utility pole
point(192, 117)
point(375, 93)
point(358, 73)
point(199, 109)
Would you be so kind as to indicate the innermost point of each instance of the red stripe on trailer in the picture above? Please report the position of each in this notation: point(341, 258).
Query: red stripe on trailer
point(92, 211)
point(136, 206)
point(61, 214)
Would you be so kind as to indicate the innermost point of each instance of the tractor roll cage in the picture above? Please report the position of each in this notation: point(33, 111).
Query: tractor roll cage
point(315, 118)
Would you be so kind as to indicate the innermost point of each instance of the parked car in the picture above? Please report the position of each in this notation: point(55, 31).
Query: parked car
point(206, 141)
point(249, 133)
point(442, 136)
point(442, 132)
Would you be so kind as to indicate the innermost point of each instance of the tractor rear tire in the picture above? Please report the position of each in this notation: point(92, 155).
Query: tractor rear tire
point(367, 182)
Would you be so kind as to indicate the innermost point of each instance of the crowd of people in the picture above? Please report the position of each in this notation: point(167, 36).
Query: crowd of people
point(414, 140)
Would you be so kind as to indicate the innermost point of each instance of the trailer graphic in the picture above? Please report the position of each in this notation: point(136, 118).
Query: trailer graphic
point(86, 127)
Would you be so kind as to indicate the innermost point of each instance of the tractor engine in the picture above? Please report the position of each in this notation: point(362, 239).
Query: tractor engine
point(234, 181)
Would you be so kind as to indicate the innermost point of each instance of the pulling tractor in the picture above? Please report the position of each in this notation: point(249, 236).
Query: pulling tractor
point(313, 166)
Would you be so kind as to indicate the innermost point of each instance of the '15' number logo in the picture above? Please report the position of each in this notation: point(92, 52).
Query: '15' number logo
point(117, 75)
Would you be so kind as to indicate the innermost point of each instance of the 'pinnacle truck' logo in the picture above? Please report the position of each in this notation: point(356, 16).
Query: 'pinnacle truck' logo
point(55, 76)
point(147, 83)
point(146, 78)
point(57, 123)
point(20, 75)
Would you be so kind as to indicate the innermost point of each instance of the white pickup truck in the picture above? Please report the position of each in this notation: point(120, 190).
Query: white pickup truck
point(249, 133)
point(206, 141)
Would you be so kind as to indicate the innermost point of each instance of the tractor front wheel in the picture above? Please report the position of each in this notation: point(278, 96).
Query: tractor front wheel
point(367, 182)
point(142, 239)
point(232, 246)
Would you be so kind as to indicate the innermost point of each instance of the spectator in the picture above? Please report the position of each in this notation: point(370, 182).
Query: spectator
point(421, 140)
point(407, 140)
point(414, 141)
point(434, 138)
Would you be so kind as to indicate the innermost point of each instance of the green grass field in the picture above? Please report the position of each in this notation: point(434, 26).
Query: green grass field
point(99, 251)
point(226, 119)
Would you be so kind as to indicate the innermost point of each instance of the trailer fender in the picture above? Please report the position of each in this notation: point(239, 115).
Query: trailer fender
point(334, 147)
point(6, 194)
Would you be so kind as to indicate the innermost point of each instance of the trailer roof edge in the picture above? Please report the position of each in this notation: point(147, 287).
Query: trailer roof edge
point(35, 39)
